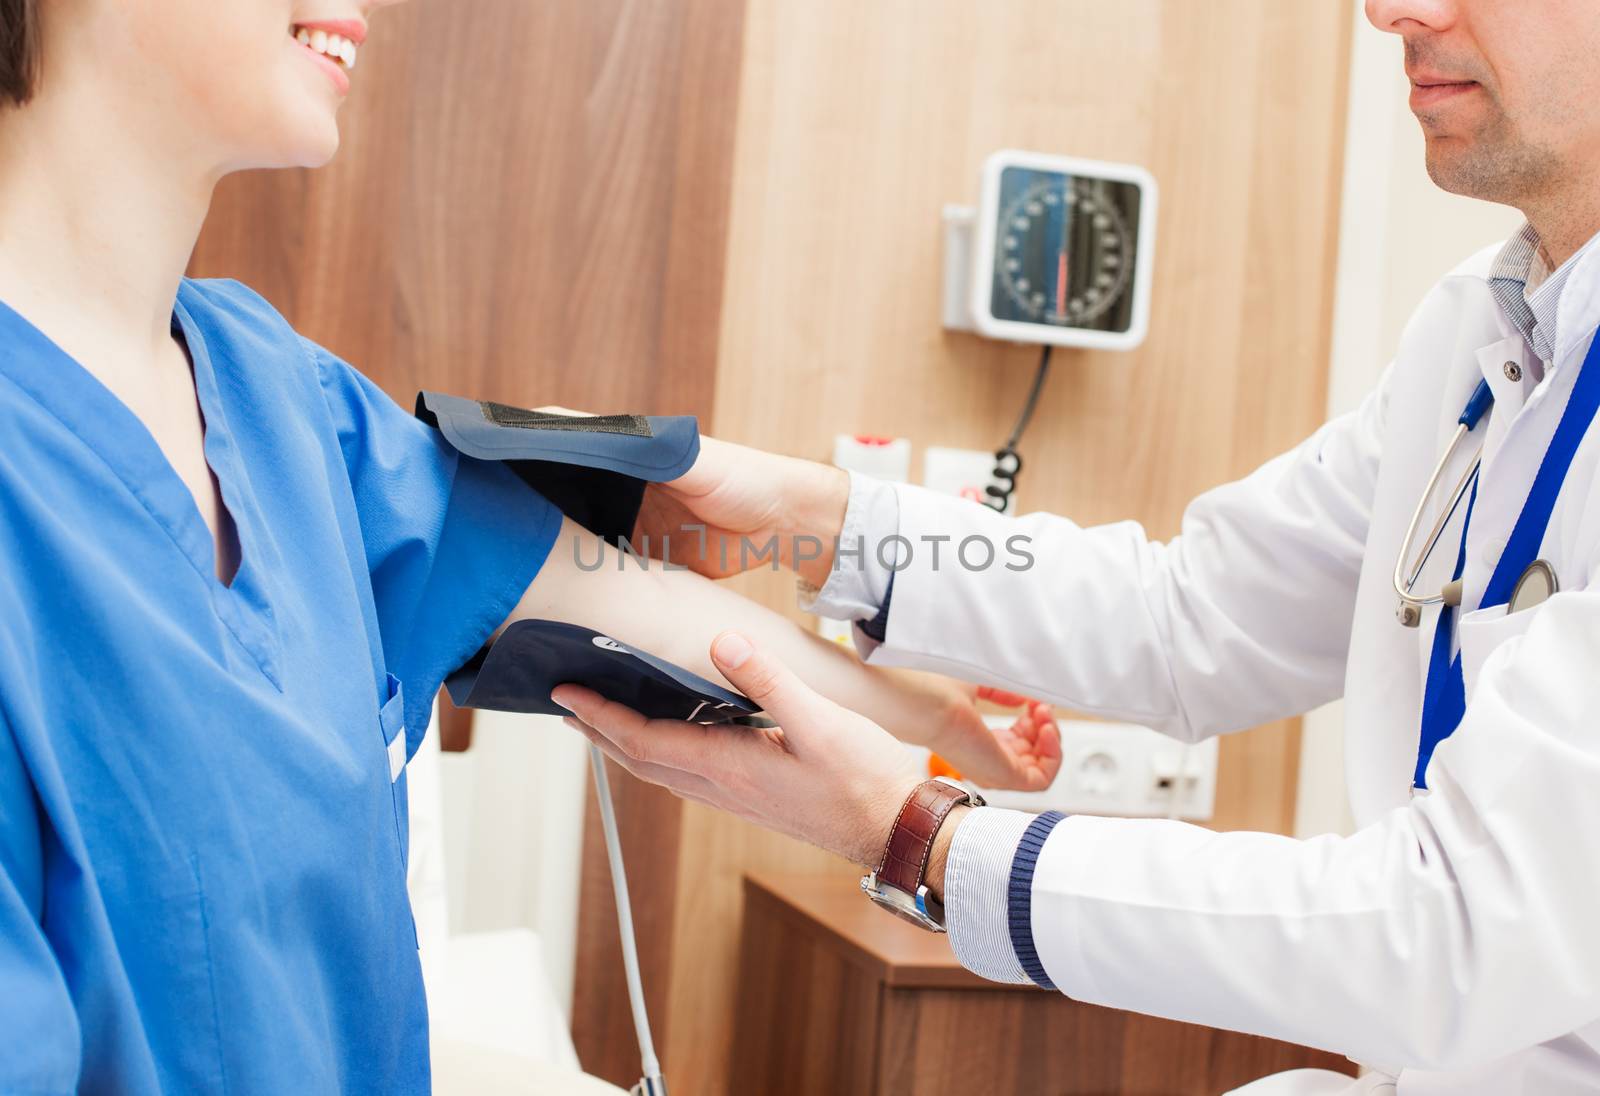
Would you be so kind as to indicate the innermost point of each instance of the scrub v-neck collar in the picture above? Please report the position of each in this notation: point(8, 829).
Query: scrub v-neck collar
point(105, 425)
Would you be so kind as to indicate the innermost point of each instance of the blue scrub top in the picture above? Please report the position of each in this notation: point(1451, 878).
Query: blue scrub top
point(202, 793)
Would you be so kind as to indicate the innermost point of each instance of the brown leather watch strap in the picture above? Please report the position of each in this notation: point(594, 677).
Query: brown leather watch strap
point(905, 857)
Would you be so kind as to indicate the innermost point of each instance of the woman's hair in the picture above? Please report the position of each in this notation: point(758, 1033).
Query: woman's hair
point(19, 50)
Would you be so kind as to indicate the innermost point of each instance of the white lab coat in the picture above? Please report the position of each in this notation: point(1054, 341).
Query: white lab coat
point(1454, 939)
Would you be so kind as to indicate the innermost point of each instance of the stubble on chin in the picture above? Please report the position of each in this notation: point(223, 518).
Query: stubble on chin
point(1492, 162)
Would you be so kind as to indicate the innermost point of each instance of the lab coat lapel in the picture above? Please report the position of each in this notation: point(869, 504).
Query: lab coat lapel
point(1511, 386)
point(1472, 361)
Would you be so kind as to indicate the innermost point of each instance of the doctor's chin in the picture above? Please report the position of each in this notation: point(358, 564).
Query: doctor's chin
point(726, 547)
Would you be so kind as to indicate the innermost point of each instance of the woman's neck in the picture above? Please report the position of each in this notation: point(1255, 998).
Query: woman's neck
point(96, 224)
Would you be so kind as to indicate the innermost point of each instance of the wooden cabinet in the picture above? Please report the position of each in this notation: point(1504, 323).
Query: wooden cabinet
point(836, 997)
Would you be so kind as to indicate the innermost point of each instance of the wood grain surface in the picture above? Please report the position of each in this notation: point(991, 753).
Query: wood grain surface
point(836, 998)
point(529, 205)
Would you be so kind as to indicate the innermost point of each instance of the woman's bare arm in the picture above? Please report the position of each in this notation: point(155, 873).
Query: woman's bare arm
point(676, 614)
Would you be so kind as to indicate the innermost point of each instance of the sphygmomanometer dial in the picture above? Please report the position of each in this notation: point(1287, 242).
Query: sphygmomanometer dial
point(1065, 255)
point(1064, 252)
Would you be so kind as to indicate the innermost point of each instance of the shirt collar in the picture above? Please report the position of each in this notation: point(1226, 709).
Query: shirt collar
point(1529, 292)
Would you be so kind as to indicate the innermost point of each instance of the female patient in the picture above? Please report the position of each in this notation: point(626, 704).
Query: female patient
point(233, 572)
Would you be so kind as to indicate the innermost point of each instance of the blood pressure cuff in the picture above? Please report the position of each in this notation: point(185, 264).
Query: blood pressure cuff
point(591, 468)
point(532, 657)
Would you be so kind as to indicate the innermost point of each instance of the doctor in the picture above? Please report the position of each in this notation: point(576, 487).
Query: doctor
point(1451, 942)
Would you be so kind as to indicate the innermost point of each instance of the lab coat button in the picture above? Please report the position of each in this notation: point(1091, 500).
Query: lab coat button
point(1513, 371)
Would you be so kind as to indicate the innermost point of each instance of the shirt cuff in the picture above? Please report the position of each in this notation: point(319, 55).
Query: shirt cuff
point(866, 555)
point(977, 883)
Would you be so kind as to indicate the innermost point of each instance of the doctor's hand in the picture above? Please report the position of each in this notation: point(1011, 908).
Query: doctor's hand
point(744, 498)
point(827, 775)
point(1024, 754)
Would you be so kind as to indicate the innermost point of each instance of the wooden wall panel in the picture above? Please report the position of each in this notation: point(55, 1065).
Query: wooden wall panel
point(857, 123)
point(531, 206)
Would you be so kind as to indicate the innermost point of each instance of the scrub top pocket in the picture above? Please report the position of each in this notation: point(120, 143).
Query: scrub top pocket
point(392, 727)
point(392, 722)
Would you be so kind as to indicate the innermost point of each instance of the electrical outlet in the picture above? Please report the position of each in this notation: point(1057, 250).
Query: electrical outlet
point(1122, 769)
point(964, 472)
point(881, 458)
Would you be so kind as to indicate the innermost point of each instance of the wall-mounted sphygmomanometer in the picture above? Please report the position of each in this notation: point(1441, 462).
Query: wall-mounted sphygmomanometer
point(1058, 251)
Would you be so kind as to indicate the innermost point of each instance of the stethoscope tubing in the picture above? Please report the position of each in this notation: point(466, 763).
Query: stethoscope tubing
point(1478, 403)
point(1404, 583)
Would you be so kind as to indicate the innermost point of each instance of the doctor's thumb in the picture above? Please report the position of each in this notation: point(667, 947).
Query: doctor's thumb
point(765, 680)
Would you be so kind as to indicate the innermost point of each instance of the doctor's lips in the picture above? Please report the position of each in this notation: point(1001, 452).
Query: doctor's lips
point(1429, 89)
point(332, 43)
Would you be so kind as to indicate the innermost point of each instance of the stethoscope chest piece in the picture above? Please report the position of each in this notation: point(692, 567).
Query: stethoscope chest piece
point(1536, 586)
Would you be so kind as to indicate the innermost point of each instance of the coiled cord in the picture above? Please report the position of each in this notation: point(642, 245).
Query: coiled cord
point(1007, 461)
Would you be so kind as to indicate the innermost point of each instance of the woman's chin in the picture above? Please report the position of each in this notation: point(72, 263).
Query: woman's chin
point(304, 149)
point(310, 147)
point(306, 134)
point(316, 141)
point(323, 153)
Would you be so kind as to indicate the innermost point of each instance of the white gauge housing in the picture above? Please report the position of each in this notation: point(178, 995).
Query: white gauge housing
point(1110, 313)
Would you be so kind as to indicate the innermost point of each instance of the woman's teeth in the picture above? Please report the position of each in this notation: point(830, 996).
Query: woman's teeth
point(339, 49)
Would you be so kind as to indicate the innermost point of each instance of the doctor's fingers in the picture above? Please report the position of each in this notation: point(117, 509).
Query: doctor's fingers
point(1038, 727)
point(1001, 697)
point(688, 747)
point(596, 710)
point(686, 785)
point(775, 689)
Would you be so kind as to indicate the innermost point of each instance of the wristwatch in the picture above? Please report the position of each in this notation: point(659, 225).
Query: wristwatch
point(897, 884)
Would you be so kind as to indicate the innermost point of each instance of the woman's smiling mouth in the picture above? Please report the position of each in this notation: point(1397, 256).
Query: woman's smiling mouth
point(332, 47)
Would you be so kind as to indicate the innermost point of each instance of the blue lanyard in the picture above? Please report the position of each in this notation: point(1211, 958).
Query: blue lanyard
point(1444, 697)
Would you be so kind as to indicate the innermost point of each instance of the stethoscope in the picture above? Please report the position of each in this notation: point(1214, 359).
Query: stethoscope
point(1519, 581)
point(1537, 582)
point(1405, 582)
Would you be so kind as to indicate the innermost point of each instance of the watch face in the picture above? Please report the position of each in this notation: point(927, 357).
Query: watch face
point(901, 904)
point(1065, 250)
point(911, 916)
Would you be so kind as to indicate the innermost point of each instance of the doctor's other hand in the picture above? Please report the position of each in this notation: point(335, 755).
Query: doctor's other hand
point(744, 499)
point(826, 775)
point(1024, 755)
